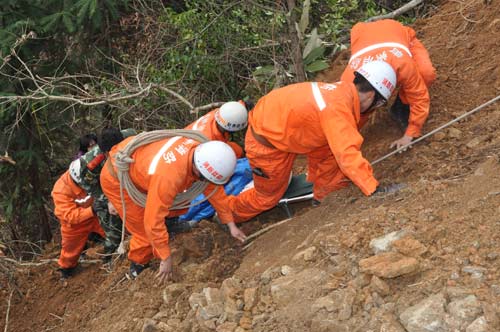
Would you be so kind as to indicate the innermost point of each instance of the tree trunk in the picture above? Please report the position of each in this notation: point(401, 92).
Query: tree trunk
point(295, 43)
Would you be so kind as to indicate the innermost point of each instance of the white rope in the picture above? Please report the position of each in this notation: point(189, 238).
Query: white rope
point(491, 101)
point(122, 163)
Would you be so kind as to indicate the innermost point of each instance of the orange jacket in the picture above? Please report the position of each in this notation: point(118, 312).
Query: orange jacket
point(391, 41)
point(306, 117)
point(163, 169)
point(208, 126)
point(72, 204)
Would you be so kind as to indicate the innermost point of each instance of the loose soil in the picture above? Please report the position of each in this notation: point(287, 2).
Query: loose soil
point(451, 205)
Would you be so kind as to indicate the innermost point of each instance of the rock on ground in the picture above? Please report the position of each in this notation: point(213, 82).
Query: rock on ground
point(426, 316)
point(389, 265)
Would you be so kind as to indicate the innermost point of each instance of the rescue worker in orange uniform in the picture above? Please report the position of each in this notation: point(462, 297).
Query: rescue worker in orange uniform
point(73, 208)
point(390, 41)
point(319, 120)
point(218, 124)
point(162, 170)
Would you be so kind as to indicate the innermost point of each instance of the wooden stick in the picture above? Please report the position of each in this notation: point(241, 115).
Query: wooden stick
point(263, 230)
point(45, 261)
point(410, 5)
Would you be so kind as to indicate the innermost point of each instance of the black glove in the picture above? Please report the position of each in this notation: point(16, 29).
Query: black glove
point(391, 188)
point(315, 202)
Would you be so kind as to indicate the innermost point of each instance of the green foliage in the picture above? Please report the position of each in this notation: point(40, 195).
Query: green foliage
point(36, 133)
point(204, 50)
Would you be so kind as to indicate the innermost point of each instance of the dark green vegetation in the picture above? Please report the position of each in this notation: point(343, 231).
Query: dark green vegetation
point(72, 67)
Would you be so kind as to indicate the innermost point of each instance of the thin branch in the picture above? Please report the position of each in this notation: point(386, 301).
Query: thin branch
point(207, 107)
point(8, 312)
point(45, 261)
point(410, 5)
point(264, 230)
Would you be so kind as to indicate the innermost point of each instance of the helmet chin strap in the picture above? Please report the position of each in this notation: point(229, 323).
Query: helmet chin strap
point(375, 104)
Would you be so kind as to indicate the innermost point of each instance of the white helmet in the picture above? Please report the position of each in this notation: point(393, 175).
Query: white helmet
point(74, 171)
point(215, 160)
point(232, 116)
point(380, 75)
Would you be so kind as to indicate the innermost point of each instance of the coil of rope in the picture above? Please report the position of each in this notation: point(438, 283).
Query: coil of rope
point(122, 163)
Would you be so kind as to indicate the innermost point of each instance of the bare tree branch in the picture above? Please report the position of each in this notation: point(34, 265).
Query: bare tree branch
point(410, 5)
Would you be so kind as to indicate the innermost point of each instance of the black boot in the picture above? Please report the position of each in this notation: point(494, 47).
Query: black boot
point(400, 113)
point(176, 226)
point(96, 238)
point(67, 272)
point(136, 269)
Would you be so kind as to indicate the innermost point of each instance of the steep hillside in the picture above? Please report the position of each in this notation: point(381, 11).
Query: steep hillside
point(320, 271)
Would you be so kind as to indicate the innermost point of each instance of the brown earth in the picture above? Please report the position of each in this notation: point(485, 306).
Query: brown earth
point(450, 206)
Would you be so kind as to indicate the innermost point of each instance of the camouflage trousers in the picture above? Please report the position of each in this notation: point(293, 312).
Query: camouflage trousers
point(112, 225)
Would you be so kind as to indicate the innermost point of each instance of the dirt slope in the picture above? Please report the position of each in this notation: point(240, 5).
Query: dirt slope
point(306, 275)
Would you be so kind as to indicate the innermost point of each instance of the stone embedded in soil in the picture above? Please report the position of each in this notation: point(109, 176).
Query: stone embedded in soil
point(379, 286)
point(250, 298)
point(211, 311)
point(409, 247)
point(391, 324)
point(212, 295)
point(476, 272)
point(465, 310)
point(270, 274)
point(389, 265)
point(426, 316)
point(226, 327)
point(230, 288)
point(232, 311)
point(457, 292)
point(246, 322)
point(384, 243)
point(307, 254)
point(454, 133)
point(328, 325)
point(171, 292)
point(149, 326)
point(211, 324)
point(286, 270)
point(197, 300)
point(479, 325)
point(339, 301)
point(289, 289)
point(259, 319)
point(439, 136)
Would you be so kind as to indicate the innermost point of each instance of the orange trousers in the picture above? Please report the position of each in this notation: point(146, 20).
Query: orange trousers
point(276, 165)
point(424, 65)
point(73, 241)
point(140, 250)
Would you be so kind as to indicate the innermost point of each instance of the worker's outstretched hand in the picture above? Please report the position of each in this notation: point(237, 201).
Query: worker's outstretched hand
point(236, 232)
point(403, 141)
point(111, 209)
point(165, 270)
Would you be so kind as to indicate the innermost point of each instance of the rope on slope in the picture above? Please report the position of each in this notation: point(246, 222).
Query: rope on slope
point(491, 101)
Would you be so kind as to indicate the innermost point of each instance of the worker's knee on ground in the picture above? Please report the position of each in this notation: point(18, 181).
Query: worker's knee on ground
point(428, 75)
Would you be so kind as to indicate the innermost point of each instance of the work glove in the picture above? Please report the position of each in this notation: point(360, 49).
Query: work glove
point(389, 189)
point(315, 202)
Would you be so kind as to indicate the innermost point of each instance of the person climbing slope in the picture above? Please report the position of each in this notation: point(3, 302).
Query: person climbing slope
point(73, 208)
point(396, 44)
point(319, 120)
point(160, 171)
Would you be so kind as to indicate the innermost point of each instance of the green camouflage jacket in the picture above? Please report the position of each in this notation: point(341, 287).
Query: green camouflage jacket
point(91, 166)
